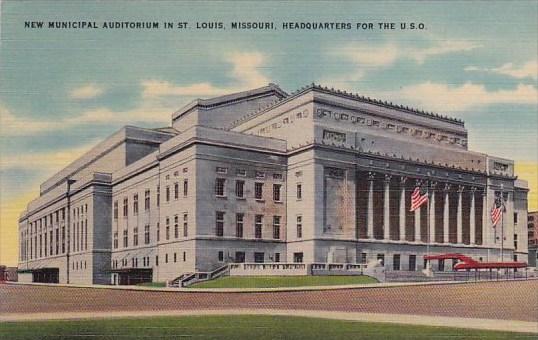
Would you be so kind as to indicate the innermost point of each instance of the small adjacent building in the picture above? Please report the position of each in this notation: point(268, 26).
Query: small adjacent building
point(263, 176)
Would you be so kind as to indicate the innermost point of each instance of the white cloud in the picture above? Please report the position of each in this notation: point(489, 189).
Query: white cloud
point(49, 161)
point(13, 125)
point(246, 70)
point(86, 92)
point(444, 47)
point(442, 97)
point(527, 70)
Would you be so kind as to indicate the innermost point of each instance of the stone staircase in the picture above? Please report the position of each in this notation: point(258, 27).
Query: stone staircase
point(187, 279)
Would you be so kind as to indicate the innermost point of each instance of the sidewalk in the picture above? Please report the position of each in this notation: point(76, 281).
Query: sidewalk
point(423, 320)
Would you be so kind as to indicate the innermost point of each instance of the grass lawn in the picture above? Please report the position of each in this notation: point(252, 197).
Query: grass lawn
point(152, 284)
point(236, 327)
point(282, 281)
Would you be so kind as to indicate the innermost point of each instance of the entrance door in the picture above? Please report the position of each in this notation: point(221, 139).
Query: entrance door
point(298, 257)
point(239, 256)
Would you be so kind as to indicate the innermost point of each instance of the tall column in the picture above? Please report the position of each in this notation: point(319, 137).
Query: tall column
point(446, 208)
point(402, 208)
point(417, 219)
point(370, 214)
point(386, 208)
point(459, 216)
point(432, 212)
point(485, 230)
point(472, 221)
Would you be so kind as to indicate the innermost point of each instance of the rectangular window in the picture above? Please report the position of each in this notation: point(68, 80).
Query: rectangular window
point(299, 226)
point(185, 225)
point(396, 262)
point(166, 258)
point(176, 191)
point(176, 226)
point(135, 236)
point(276, 227)
point(158, 195)
point(258, 191)
point(277, 257)
point(221, 170)
point(299, 191)
point(219, 224)
point(147, 194)
point(412, 263)
point(167, 228)
point(515, 218)
point(135, 204)
point(175, 257)
point(239, 225)
point(221, 256)
point(259, 257)
point(241, 172)
point(364, 257)
point(258, 223)
point(156, 260)
point(158, 232)
point(125, 206)
point(57, 238)
point(381, 257)
point(239, 189)
point(115, 210)
point(276, 192)
point(125, 238)
point(167, 194)
point(116, 240)
point(185, 187)
point(219, 187)
point(184, 256)
point(63, 240)
point(146, 234)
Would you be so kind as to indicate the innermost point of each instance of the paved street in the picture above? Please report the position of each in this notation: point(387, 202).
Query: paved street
point(511, 300)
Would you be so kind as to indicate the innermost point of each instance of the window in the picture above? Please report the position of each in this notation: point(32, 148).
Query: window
point(185, 187)
point(241, 172)
point(125, 238)
point(239, 189)
point(146, 234)
point(115, 210)
point(221, 170)
point(258, 222)
point(382, 258)
point(157, 260)
point(57, 238)
point(219, 187)
point(260, 174)
point(158, 195)
point(239, 225)
point(185, 225)
point(259, 257)
point(299, 191)
point(363, 258)
point(298, 257)
point(176, 191)
point(147, 194)
point(219, 224)
point(258, 191)
point(221, 256)
point(276, 227)
point(299, 226)
point(135, 204)
point(63, 240)
point(276, 192)
point(158, 232)
point(277, 176)
point(412, 263)
point(277, 257)
point(167, 228)
point(167, 195)
point(175, 257)
point(135, 236)
point(515, 218)
point(125, 206)
point(166, 258)
point(396, 262)
point(176, 226)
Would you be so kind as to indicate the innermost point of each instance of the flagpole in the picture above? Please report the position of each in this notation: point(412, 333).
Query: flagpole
point(502, 223)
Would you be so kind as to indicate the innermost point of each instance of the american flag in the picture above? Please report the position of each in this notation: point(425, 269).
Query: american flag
point(418, 197)
point(496, 211)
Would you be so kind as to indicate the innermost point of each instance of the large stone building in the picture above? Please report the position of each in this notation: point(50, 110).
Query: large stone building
point(315, 176)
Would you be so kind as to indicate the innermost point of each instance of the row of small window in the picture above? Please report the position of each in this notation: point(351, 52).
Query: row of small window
point(259, 257)
point(243, 173)
point(146, 261)
point(147, 199)
point(77, 265)
point(147, 237)
point(258, 225)
point(220, 189)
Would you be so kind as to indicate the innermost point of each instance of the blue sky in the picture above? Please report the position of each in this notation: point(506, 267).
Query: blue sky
point(61, 91)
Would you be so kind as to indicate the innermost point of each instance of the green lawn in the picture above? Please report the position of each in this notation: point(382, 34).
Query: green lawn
point(236, 327)
point(281, 281)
